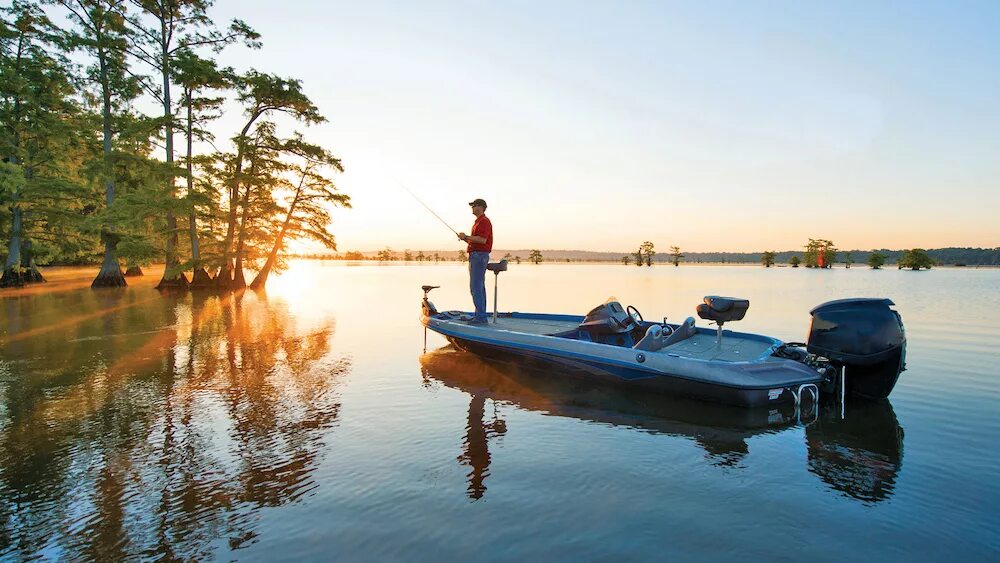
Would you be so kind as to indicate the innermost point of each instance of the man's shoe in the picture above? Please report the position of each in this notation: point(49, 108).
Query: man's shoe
point(475, 321)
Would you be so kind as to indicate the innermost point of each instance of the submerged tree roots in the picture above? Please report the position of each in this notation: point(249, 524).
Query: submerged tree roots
point(18, 277)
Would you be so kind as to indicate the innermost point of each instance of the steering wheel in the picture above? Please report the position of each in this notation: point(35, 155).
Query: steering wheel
point(633, 312)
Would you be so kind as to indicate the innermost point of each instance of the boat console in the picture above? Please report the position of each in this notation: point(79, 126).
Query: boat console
point(609, 323)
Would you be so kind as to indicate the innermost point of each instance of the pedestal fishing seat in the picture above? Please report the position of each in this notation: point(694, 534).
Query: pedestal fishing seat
point(723, 310)
point(496, 268)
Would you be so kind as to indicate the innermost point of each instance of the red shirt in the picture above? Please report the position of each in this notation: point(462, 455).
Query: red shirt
point(482, 228)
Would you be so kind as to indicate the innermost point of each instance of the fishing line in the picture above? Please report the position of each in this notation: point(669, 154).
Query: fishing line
point(443, 222)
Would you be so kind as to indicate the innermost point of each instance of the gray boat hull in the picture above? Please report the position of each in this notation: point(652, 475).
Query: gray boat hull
point(697, 369)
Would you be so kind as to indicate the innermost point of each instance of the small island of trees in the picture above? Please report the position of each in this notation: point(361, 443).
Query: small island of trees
point(916, 259)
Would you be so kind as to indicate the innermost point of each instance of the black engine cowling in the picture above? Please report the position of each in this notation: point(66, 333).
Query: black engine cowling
point(864, 336)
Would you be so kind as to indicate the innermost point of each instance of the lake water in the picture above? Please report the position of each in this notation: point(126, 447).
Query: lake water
point(308, 423)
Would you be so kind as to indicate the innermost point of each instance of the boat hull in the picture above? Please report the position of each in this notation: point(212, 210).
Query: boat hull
point(623, 376)
point(752, 383)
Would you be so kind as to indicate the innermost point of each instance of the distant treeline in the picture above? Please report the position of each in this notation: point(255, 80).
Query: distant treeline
point(951, 256)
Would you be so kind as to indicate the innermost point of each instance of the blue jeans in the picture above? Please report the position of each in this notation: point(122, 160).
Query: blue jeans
point(477, 281)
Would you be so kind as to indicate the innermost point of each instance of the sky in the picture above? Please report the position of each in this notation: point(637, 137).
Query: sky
point(737, 126)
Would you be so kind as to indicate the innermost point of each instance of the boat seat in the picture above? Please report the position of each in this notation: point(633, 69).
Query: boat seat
point(497, 267)
point(723, 309)
point(657, 339)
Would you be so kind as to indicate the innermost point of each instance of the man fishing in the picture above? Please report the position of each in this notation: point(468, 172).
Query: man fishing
point(480, 244)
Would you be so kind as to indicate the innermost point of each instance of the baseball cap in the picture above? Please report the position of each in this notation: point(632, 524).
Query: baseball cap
point(478, 201)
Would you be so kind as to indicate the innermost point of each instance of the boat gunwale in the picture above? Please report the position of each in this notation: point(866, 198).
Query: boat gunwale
point(761, 358)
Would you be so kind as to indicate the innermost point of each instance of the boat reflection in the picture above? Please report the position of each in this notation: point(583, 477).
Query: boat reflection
point(163, 429)
point(859, 456)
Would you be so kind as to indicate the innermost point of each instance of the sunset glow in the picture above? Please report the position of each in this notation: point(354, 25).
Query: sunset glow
point(596, 126)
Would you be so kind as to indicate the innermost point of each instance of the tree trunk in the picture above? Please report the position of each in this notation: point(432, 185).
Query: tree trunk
point(225, 277)
point(12, 268)
point(111, 273)
point(239, 281)
point(261, 278)
point(133, 272)
point(11, 276)
point(172, 278)
point(200, 277)
point(29, 269)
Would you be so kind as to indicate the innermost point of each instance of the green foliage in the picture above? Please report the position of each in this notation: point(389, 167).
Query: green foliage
point(41, 134)
point(647, 252)
point(794, 261)
point(462, 256)
point(675, 255)
point(78, 174)
point(535, 256)
point(916, 259)
point(767, 259)
point(11, 179)
point(876, 260)
point(820, 253)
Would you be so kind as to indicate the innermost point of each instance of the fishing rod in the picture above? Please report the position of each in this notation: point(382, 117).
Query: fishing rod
point(429, 209)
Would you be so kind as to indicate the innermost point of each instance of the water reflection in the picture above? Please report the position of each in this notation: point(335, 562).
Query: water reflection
point(160, 429)
point(475, 446)
point(859, 456)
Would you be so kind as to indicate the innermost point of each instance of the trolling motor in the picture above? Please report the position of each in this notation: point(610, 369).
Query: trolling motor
point(426, 306)
point(496, 268)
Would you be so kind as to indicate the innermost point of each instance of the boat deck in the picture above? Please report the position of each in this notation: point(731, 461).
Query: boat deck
point(734, 349)
point(701, 346)
point(545, 327)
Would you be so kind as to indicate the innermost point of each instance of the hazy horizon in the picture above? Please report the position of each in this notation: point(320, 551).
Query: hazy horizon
point(589, 125)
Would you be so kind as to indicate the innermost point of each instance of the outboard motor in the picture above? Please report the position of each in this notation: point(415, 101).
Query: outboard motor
point(865, 337)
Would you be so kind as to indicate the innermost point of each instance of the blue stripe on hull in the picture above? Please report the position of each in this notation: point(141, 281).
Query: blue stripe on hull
point(632, 377)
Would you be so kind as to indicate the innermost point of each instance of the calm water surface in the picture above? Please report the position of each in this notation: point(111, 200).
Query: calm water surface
point(307, 422)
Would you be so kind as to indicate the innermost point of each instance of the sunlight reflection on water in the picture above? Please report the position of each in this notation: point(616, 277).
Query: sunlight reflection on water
point(307, 421)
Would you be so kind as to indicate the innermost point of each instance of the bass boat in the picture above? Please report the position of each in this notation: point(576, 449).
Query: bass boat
point(856, 349)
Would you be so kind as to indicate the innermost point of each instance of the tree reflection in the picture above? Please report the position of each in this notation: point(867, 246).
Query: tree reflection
point(859, 456)
point(161, 428)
